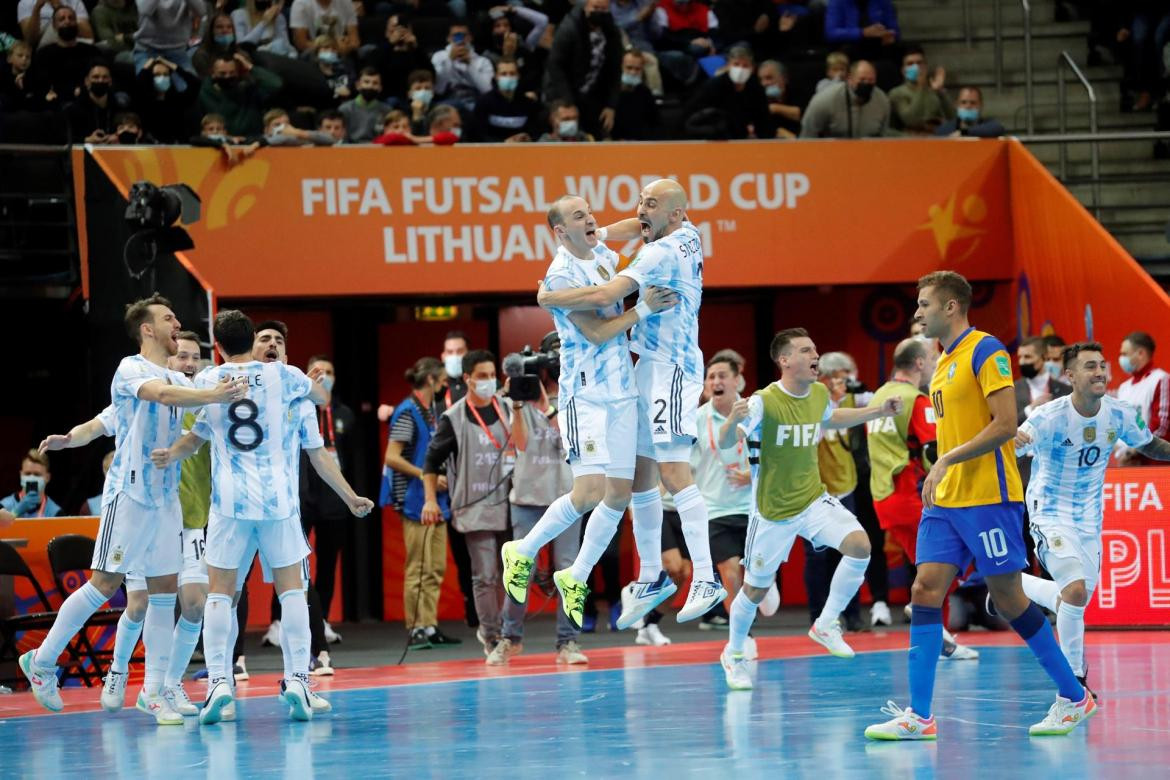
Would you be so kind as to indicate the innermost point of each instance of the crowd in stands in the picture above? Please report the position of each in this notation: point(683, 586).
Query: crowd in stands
point(240, 74)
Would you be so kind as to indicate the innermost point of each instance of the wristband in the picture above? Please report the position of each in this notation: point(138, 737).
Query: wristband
point(602, 233)
point(643, 310)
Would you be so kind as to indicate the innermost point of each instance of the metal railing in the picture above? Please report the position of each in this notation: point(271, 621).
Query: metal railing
point(1026, 9)
point(1066, 60)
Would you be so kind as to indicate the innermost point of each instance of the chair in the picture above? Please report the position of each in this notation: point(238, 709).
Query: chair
point(69, 554)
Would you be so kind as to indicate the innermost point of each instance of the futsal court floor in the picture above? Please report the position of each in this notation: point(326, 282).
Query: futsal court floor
point(661, 713)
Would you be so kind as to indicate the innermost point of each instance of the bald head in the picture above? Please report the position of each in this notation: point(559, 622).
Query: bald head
point(662, 208)
point(563, 205)
point(908, 353)
point(668, 191)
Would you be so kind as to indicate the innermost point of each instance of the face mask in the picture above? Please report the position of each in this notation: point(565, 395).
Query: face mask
point(329, 57)
point(485, 388)
point(739, 75)
point(277, 128)
point(967, 114)
point(1028, 370)
point(225, 40)
point(422, 96)
point(598, 18)
point(263, 5)
point(1053, 368)
point(162, 83)
point(453, 364)
point(508, 83)
point(68, 33)
point(774, 91)
point(912, 72)
point(99, 88)
point(1126, 363)
point(128, 137)
point(457, 132)
point(226, 83)
point(327, 383)
point(32, 484)
point(369, 94)
point(863, 91)
point(567, 128)
point(217, 137)
point(631, 79)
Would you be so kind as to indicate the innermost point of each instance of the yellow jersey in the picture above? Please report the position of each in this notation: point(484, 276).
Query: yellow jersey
point(972, 368)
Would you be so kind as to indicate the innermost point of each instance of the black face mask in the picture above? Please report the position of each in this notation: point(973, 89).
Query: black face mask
point(863, 91)
point(263, 5)
point(599, 18)
point(369, 95)
point(68, 33)
point(99, 89)
point(1028, 370)
point(128, 137)
point(226, 83)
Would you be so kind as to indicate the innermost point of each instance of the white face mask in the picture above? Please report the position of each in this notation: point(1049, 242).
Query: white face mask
point(454, 366)
point(739, 75)
point(457, 132)
point(35, 482)
point(485, 388)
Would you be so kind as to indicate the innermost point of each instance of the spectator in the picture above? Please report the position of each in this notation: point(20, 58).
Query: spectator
point(1145, 26)
point(636, 118)
point(584, 66)
point(59, 68)
point(474, 438)
point(213, 133)
point(332, 123)
point(855, 109)
point(869, 28)
point(310, 19)
point(16, 87)
point(333, 68)
point(737, 99)
point(420, 93)
point(279, 131)
point(91, 115)
point(969, 119)
point(632, 18)
point(396, 131)
point(239, 92)
point(220, 42)
point(129, 132)
point(38, 23)
point(793, 28)
point(744, 21)
point(445, 125)
point(412, 428)
point(398, 57)
point(566, 125)
point(773, 78)
point(363, 114)
point(30, 500)
point(164, 28)
point(115, 23)
point(1147, 388)
point(160, 101)
point(505, 115)
point(1033, 389)
point(261, 23)
point(455, 346)
point(836, 70)
point(1054, 357)
point(920, 104)
point(461, 75)
point(683, 32)
point(506, 41)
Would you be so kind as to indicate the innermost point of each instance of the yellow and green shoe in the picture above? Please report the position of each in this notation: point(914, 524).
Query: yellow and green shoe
point(517, 570)
point(573, 593)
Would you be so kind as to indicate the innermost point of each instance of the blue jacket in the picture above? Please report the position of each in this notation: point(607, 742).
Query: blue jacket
point(412, 504)
point(843, 19)
point(51, 507)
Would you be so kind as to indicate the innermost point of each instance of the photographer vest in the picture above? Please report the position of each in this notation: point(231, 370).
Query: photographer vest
point(542, 475)
point(477, 474)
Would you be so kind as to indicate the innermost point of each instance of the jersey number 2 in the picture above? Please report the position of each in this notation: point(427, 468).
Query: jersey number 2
point(243, 414)
point(661, 404)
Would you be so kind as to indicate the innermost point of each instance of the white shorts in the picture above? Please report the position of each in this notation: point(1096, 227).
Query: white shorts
point(194, 567)
point(825, 523)
point(599, 436)
point(135, 582)
point(229, 542)
point(668, 409)
point(138, 538)
point(1067, 552)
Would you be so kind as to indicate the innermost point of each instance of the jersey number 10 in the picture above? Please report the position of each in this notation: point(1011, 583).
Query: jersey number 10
point(937, 402)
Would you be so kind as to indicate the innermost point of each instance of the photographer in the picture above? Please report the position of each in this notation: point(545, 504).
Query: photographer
point(30, 500)
point(477, 438)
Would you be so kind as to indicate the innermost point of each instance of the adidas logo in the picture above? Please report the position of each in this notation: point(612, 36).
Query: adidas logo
point(660, 429)
point(1066, 443)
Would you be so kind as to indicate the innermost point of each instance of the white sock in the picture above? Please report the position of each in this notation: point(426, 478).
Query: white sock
point(125, 640)
point(1070, 625)
point(1046, 593)
point(843, 587)
point(233, 635)
point(560, 515)
point(217, 624)
point(182, 646)
point(294, 627)
point(743, 614)
point(692, 510)
point(599, 531)
point(77, 609)
point(646, 508)
point(285, 656)
point(157, 632)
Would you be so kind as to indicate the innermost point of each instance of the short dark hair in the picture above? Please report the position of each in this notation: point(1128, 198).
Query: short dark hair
point(322, 358)
point(951, 285)
point(223, 57)
point(725, 356)
point(1039, 342)
point(188, 335)
point(276, 325)
point(234, 332)
point(1053, 340)
point(1141, 340)
point(330, 114)
point(138, 313)
point(475, 357)
point(908, 353)
point(422, 74)
point(441, 112)
point(782, 339)
point(370, 71)
point(972, 88)
point(423, 369)
point(913, 48)
point(456, 334)
point(1070, 353)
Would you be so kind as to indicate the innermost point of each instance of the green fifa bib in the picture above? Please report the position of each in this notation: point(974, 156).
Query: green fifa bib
point(888, 453)
point(789, 477)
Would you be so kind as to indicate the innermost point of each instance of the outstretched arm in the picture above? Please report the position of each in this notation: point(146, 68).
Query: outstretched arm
point(583, 298)
point(623, 230)
point(182, 449)
point(225, 392)
point(78, 436)
point(326, 468)
point(1158, 449)
point(847, 418)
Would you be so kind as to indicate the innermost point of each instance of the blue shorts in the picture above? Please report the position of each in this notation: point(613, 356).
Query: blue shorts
point(992, 535)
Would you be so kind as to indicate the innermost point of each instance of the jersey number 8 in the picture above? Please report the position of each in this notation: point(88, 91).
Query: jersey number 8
point(241, 421)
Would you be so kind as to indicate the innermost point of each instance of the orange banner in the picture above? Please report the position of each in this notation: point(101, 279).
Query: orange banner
point(370, 220)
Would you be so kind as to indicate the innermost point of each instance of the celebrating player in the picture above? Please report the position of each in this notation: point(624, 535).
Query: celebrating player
point(972, 508)
point(1070, 440)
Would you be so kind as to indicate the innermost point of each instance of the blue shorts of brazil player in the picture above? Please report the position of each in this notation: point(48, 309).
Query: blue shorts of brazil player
point(991, 534)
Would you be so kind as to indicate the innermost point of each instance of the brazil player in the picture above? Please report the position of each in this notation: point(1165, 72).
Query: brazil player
point(972, 509)
point(1070, 440)
point(141, 521)
point(597, 401)
point(782, 425)
point(669, 375)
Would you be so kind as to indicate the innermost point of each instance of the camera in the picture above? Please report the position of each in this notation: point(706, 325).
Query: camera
point(523, 369)
point(855, 386)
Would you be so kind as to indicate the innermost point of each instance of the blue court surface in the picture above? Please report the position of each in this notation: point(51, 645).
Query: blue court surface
point(804, 719)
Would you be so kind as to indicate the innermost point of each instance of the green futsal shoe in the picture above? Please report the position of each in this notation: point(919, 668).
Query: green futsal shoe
point(517, 570)
point(573, 593)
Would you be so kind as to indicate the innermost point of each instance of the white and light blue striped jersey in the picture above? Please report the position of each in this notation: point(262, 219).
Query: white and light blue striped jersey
point(255, 442)
point(310, 428)
point(672, 335)
point(602, 372)
point(1069, 457)
point(138, 427)
point(108, 417)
